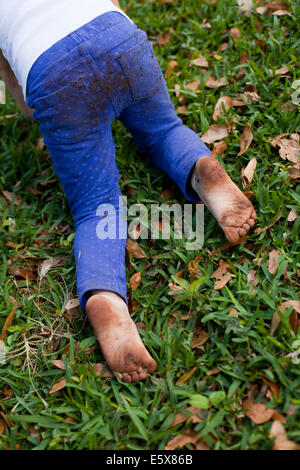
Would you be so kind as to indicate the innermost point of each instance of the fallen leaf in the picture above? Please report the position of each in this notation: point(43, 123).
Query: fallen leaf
point(215, 133)
point(214, 371)
point(223, 268)
point(293, 214)
point(235, 33)
point(193, 269)
point(272, 386)
point(41, 144)
point(2, 428)
point(281, 13)
point(163, 39)
point(257, 412)
point(283, 70)
point(182, 109)
point(25, 273)
point(201, 339)
point(248, 173)
point(49, 263)
point(245, 141)
point(281, 441)
point(222, 282)
point(193, 85)
point(7, 324)
point(182, 417)
point(251, 278)
point(135, 249)
point(289, 148)
point(200, 62)
point(186, 376)
point(72, 303)
point(294, 173)
point(276, 318)
point(189, 436)
point(272, 263)
point(135, 280)
point(245, 6)
point(11, 197)
point(224, 102)
point(212, 83)
point(219, 148)
point(58, 386)
point(59, 363)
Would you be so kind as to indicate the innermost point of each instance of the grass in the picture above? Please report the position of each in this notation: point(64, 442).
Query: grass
point(94, 412)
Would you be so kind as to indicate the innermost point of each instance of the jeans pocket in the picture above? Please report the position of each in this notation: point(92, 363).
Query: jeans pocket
point(141, 69)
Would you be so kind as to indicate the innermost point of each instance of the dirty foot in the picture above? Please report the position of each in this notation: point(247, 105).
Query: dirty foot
point(118, 337)
point(232, 209)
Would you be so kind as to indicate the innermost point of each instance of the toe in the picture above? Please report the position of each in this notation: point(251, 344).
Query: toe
point(231, 234)
point(246, 227)
point(142, 374)
point(150, 365)
point(242, 232)
point(127, 378)
point(135, 377)
point(251, 222)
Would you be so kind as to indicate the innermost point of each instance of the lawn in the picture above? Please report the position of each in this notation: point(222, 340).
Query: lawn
point(228, 375)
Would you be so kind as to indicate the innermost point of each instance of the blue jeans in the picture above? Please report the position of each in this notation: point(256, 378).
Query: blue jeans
point(103, 71)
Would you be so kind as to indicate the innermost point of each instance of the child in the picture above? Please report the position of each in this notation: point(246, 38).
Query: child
point(80, 66)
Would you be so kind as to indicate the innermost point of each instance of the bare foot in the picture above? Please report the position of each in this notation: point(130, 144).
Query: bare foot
point(118, 337)
point(232, 209)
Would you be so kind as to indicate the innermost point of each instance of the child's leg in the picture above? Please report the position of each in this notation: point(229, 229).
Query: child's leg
point(180, 153)
point(75, 118)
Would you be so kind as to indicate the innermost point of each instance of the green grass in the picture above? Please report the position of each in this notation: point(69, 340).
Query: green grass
point(108, 414)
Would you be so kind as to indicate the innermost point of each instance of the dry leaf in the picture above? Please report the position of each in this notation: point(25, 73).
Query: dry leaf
point(200, 62)
point(223, 268)
point(248, 173)
point(135, 280)
point(257, 412)
point(201, 339)
point(289, 148)
point(25, 273)
point(246, 6)
point(272, 386)
point(212, 83)
point(182, 417)
point(186, 376)
point(182, 109)
point(214, 371)
point(223, 102)
point(193, 85)
point(215, 133)
point(58, 386)
point(11, 197)
point(219, 148)
point(293, 214)
point(163, 39)
point(272, 263)
point(294, 173)
point(281, 442)
point(251, 278)
point(276, 318)
point(189, 436)
point(59, 363)
point(222, 282)
point(235, 33)
point(135, 249)
point(245, 141)
point(194, 271)
point(49, 263)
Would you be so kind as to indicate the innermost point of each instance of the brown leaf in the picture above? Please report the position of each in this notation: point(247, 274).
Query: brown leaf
point(281, 441)
point(272, 263)
point(289, 148)
point(58, 386)
point(276, 318)
point(163, 39)
point(194, 271)
point(50, 263)
point(214, 371)
point(251, 278)
point(59, 363)
point(193, 85)
point(235, 33)
point(212, 83)
point(25, 273)
point(135, 280)
point(182, 417)
point(245, 141)
point(257, 412)
point(223, 268)
point(223, 102)
point(294, 173)
point(200, 62)
point(201, 339)
point(293, 214)
point(248, 173)
point(182, 109)
point(11, 197)
point(2, 428)
point(272, 386)
point(215, 133)
point(222, 282)
point(189, 436)
point(186, 376)
point(7, 324)
point(219, 148)
point(41, 144)
point(135, 249)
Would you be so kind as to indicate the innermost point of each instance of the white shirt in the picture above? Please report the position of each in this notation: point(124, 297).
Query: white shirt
point(30, 27)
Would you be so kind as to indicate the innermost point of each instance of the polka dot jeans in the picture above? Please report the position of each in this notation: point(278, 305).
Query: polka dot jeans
point(103, 71)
